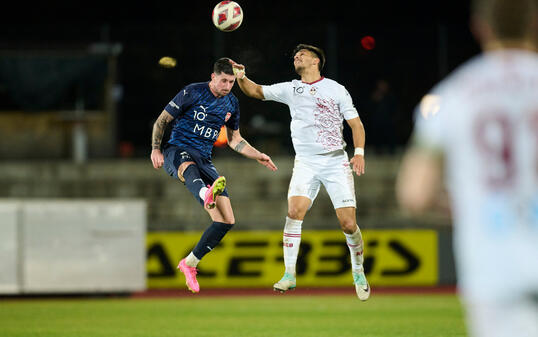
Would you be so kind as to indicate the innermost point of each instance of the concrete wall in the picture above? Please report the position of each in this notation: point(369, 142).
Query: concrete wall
point(9, 248)
point(66, 246)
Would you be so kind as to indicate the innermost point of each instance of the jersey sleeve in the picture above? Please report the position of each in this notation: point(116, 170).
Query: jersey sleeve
point(428, 122)
point(280, 92)
point(180, 103)
point(233, 122)
point(437, 114)
point(346, 105)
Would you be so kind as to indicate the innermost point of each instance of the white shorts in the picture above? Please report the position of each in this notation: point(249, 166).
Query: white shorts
point(330, 169)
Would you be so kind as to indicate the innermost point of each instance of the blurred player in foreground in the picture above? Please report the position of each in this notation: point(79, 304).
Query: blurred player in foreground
point(483, 121)
point(318, 107)
point(198, 112)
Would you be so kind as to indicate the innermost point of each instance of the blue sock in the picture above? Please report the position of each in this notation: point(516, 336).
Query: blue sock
point(211, 238)
point(193, 181)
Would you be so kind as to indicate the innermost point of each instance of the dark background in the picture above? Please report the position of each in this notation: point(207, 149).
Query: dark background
point(416, 44)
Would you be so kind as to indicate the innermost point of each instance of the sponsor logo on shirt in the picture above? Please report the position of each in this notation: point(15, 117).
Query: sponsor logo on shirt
point(203, 130)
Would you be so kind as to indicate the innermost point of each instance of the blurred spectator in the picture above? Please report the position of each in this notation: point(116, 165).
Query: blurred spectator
point(380, 123)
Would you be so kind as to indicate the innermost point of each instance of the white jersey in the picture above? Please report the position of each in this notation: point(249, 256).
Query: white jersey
point(317, 113)
point(484, 117)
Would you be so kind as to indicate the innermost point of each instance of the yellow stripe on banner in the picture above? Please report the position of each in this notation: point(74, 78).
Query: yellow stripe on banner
point(254, 259)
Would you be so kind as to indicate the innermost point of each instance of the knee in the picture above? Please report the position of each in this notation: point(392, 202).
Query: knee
point(296, 213)
point(230, 220)
point(348, 225)
point(181, 169)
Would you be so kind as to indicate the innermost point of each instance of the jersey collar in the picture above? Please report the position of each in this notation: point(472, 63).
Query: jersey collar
point(321, 78)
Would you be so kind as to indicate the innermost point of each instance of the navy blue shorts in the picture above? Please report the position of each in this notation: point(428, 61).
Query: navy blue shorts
point(175, 156)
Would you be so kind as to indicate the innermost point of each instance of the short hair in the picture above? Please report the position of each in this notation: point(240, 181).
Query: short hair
point(317, 51)
point(223, 65)
point(509, 19)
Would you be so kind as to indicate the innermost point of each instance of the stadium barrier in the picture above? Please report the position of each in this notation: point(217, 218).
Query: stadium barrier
point(251, 259)
point(66, 246)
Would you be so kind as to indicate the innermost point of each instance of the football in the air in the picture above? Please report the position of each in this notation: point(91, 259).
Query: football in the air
point(227, 16)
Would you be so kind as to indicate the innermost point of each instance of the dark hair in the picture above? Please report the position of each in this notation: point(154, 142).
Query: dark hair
point(509, 19)
point(317, 51)
point(223, 65)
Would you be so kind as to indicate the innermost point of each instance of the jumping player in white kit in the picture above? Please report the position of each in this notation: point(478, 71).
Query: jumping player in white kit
point(483, 121)
point(318, 107)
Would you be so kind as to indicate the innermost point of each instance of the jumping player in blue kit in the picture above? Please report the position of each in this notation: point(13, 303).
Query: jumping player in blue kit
point(198, 112)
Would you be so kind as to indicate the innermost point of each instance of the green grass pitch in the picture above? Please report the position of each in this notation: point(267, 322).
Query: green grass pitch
point(383, 315)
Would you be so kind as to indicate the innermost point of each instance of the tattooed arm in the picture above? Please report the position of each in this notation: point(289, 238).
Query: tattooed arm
point(239, 144)
point(159, 127)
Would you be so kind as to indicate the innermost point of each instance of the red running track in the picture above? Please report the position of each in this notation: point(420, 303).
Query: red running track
point(153, 293)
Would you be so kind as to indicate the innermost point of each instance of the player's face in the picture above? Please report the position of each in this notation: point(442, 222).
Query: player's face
point(304, 59)
point(222, 83)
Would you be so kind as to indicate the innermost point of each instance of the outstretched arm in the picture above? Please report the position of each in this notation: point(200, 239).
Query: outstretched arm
point(239, 144)
point(249, 87)
point(419, 179)
point(357, 130)
point(159, 127)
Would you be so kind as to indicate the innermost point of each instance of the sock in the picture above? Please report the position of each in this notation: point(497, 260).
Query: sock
point(191, 260)
point(291, 241)
point(354, 242)
point(211, 238)
point(193, 181)
point(202, 192)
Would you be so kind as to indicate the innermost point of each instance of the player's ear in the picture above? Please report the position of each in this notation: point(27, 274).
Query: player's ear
point(212, 76)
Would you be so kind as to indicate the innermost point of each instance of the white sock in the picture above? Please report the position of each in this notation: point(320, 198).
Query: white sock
point(191, 260)
point(291, 241)
point(202, 192)
point(355, 245)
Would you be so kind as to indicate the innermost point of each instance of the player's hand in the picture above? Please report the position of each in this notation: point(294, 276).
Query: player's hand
point(266, 161)
point(157, 158)
point(239, 70)
point(357, 164)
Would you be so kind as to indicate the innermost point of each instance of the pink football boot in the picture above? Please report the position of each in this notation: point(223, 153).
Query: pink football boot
point(213, 192)
point(190, 276)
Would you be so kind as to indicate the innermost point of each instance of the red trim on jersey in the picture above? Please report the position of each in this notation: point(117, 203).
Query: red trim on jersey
point(314, 81)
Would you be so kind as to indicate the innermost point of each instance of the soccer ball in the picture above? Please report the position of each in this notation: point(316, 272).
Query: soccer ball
point(227, 16)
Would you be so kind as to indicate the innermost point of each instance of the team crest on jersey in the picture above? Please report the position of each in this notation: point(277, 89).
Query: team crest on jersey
point(228, 115)
point(313, 90)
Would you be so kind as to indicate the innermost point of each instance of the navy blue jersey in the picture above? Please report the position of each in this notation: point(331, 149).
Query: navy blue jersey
point(199, 116)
